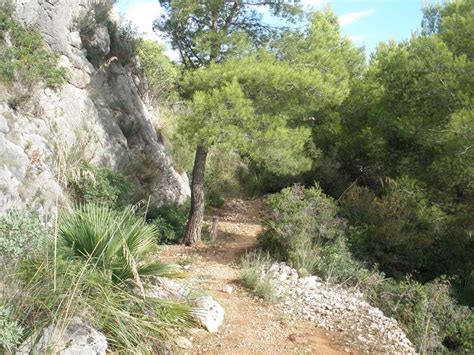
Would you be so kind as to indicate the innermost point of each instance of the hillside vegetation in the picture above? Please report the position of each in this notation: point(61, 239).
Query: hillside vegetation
point(365, 166)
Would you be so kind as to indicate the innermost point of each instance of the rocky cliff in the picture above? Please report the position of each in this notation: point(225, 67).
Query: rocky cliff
point(98, 116)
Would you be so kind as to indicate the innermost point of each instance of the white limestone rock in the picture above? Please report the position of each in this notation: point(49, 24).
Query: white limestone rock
point(209, 313)
point(166, 288)
point(88, 119)
point(76, 339)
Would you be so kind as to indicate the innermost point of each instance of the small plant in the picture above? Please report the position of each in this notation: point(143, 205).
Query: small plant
point(21, 232)
point(254, 276)
point(91, 184)
point(10, 331)
point(170, 221)
point(27, 59)
point(190, 259)
point(116, 241)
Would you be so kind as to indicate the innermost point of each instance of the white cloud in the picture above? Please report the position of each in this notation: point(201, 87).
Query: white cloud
point(353, 17)
point(357, 38)
point(142, 16)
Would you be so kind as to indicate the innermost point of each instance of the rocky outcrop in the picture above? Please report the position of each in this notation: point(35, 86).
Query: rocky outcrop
point(76, 338)
point(97, 116)
point(337, 309)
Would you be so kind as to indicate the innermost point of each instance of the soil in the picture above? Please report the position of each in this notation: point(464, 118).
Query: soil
point(251, 326)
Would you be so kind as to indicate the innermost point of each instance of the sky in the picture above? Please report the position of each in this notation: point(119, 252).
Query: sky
point(366, 22)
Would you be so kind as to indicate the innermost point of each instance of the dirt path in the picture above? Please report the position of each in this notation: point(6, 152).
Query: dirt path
point(250, 325)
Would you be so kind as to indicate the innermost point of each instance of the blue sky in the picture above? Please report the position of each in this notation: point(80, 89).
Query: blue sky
point(366, 22)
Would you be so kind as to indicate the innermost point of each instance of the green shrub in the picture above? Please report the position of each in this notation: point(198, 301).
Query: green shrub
point(87, 24)
point(27, 60)
point(257, 180)
point(303, 229)
point(400, 229)
point(432, 319)
point(254, 276)
point(21, 233)
point(116, 241)
point(100, 186)
point(10, 330)
point(170, 220)
point(124, 41)
point(297, 221)
point(213, 193)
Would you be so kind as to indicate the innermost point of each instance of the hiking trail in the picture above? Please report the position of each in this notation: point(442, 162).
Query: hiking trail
point(251, 326)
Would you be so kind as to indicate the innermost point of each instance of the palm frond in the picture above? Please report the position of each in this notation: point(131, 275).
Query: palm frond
point(120, 242)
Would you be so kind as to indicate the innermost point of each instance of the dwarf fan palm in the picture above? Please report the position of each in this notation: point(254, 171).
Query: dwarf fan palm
point(118, 242)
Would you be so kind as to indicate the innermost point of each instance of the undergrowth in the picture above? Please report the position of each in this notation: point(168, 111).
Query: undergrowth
point(95, 275)
point(100, 185)
point(303, 228)
point(170, 221)
point(24, 56)
point(253, 275)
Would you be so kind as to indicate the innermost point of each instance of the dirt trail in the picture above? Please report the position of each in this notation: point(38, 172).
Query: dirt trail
point(250, 325)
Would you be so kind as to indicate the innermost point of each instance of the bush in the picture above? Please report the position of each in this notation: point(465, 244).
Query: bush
point(297, 221)
point(20, 232)
point(10, 330)
point(101, 255)
point(258, 181)
point(303, 228)
point(432, 319)
point(124, 41)
point(253, 276)
point(400, 229)
point(96, 185)
point(221, 177)
point(27, 59)
point(170, 221)
point(120, 243)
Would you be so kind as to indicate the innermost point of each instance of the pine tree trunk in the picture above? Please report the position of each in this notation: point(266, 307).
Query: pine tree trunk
point(196, 214)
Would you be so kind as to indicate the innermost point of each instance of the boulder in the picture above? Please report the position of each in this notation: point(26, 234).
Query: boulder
point(208, 313)
point(77, 338)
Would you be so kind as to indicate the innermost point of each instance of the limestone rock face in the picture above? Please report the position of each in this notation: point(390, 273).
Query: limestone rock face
point(76, 338)
point(98, 116)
